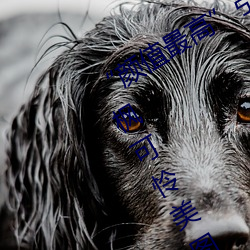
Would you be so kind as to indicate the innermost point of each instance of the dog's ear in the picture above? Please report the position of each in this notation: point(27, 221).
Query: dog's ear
point(53, 195)
point(51, 187)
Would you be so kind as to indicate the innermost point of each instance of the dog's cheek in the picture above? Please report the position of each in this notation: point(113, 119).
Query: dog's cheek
point(132, 181)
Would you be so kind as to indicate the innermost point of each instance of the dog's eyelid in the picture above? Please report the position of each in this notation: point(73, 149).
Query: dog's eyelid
point(125, 111)
point(244, 99)
point(245, 95)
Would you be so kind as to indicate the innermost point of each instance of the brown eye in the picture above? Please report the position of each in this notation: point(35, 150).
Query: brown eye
point(128, 121)
point(243, 113)
point(135, 125)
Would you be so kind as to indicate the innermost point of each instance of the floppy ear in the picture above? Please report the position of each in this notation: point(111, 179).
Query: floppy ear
point(54, 198)
point(51, 186)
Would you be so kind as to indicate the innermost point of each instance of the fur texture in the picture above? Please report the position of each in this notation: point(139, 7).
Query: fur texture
point(73, 181)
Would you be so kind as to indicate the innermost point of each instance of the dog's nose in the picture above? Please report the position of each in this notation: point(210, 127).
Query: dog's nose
point(229, 231)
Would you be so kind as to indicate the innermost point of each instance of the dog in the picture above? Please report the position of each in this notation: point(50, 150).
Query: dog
point(73, 180)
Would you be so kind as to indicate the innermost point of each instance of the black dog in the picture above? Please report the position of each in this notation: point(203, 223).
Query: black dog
point(73, 181)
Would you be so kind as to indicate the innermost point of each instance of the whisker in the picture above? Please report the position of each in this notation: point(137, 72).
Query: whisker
point(121, 224)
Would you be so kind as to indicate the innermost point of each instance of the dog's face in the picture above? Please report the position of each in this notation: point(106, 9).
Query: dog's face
point(74, 180)
point(197, 110)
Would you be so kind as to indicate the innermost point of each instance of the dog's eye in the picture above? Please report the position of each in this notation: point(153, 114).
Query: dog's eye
point(243, 113)
point(135, 125)
point(130, 121)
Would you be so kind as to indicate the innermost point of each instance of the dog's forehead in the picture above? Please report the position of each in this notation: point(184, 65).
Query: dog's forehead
point(196, 70)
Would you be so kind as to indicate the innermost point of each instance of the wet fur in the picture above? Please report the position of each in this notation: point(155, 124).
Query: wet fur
point(73, 181)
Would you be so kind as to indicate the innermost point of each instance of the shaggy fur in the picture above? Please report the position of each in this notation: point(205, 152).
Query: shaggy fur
point(73, 181)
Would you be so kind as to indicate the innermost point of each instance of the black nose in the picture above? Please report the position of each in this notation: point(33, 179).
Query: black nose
point(229, 231)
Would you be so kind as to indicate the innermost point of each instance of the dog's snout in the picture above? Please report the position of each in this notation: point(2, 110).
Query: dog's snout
point(229, 232)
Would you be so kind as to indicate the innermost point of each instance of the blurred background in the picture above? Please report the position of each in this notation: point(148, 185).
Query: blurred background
point(25, 27)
